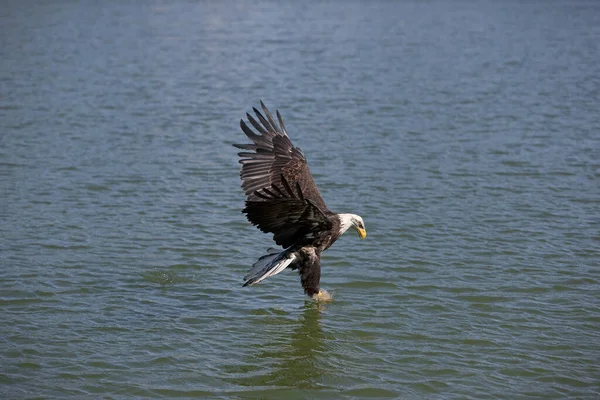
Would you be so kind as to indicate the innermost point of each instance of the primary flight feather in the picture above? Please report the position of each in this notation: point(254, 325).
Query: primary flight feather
point(283, 199)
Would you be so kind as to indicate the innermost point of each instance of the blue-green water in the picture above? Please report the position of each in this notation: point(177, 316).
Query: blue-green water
point(466, 134)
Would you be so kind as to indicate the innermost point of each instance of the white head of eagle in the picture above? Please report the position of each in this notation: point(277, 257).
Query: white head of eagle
point(283, 199)
point(354, 221)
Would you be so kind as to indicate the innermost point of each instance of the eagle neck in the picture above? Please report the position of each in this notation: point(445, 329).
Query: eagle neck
point(346, 221)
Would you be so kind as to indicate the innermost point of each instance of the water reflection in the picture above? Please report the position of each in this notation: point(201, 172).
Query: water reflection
point(291, 353)
point(299, 364)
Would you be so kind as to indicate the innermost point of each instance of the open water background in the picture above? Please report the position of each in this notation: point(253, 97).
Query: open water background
point(466, 134)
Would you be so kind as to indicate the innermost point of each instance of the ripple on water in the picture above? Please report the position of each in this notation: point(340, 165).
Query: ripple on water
point(469, 148)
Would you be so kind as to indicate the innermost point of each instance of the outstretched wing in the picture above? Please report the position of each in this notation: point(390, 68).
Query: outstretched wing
point(272, 157)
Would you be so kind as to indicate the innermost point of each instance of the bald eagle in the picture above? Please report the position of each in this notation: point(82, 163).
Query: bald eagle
point(283, 199)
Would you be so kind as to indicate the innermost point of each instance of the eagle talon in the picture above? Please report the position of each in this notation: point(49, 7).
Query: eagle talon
point(323, 296)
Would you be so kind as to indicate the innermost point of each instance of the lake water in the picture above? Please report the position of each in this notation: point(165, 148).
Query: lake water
point(465, 133)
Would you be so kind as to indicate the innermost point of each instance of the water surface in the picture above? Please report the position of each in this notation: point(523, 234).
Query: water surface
point(465, 134)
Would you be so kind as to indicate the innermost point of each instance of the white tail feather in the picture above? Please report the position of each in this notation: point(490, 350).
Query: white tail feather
point(268, 265)
point(260, 264)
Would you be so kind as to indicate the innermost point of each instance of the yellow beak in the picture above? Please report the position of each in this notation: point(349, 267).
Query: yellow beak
point(362, 233)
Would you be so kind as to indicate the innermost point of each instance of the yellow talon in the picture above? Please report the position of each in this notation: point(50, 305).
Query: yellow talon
point(322, 296)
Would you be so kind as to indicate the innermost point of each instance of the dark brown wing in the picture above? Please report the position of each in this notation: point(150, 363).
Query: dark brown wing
point(287, 214)
point(272, 156)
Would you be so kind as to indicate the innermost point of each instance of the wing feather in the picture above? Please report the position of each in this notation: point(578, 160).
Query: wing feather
point(271, 156)
point(269, 116)
point(287, 187)
point(281, 195)
point(263, 121)
point(281, 124)
point(255, 124)
point(290, 220)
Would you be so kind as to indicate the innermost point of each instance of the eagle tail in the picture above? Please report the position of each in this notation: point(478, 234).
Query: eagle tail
point(268, 265)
